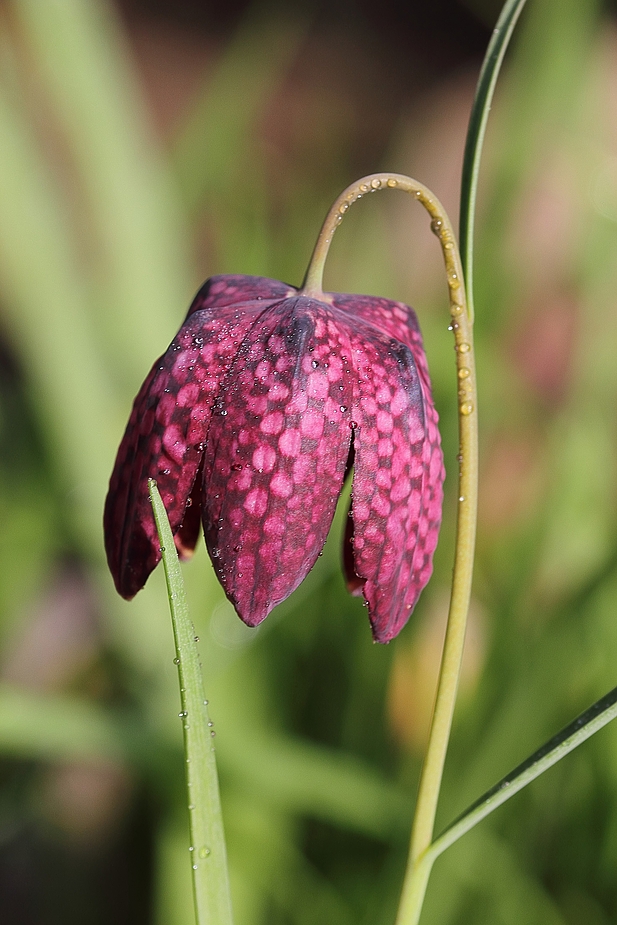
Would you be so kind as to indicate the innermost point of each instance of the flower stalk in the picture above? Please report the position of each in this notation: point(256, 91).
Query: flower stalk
point(419, 864)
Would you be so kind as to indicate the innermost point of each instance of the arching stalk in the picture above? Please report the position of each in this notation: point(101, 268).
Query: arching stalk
point(419, 864)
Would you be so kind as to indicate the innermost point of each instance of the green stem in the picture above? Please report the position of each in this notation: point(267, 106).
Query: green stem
point(208, 855)
point(418, 868)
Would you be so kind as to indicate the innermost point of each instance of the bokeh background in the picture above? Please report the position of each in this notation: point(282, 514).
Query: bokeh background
point(146, 145)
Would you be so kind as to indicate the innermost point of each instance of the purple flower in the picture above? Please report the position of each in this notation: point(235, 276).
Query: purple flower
point(250, 422)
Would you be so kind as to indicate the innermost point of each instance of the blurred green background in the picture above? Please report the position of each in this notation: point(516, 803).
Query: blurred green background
point(145, 146)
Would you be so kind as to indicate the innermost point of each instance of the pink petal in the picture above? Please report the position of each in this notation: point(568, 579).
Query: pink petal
point(165, 439)
point(232, 290)
point(397, 474)
point(276, 456)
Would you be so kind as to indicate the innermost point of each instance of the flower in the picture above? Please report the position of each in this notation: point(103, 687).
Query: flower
point(251, 421)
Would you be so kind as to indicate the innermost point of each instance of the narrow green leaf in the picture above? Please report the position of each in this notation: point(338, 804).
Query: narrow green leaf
point(475, 135)
point(208, 853)
point(573, 735)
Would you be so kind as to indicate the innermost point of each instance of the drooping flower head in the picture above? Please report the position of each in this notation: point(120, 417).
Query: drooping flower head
point(250, 422)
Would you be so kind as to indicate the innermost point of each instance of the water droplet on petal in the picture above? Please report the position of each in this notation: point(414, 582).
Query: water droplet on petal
point(204, 852)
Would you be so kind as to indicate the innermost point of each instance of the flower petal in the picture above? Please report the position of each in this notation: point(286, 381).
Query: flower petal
point(276, 456)
point(232, 289)
point(397, 466)
point(395, 319)
point(165, 440)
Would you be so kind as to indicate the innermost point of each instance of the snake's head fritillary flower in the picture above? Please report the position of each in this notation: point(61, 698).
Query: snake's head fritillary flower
point(250, 422)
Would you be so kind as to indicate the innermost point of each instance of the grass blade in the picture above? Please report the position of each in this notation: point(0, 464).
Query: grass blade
point(208, 851)
point(573, 735)
point(475, 135)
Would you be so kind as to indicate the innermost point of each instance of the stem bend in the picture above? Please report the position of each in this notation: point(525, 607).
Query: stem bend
point(419, 864)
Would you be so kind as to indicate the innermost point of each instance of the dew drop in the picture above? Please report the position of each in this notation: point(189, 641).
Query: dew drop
point(215, 552)
point(195, 638)
point(210, 723)
point(353, 424)
point(191, 806)
point(463, 348)
point(161, 548)
point(450, 327)
point(343, 408)
point(463, 372)
point(204, 852)
point(237, 548)
point(237, 467)
point(466, 408)
point(213, 733)
point(189, 502)
point(182, 714)
point(375, 184)
point(194, 866)
point(462, 498)
point(436, 225)
point(365, 187)
point(343, 208)
point(191, 847)
point(392, 183)
point(176, 661)
point(314, 364)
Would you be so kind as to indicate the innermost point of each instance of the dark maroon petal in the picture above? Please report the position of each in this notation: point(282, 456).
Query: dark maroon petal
point(395, 319)
point(165, 440)
point(395, 471)
point(231, 290)
point(277, 451)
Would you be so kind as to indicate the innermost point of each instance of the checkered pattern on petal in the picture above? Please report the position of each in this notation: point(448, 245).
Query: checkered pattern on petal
point(277, 451)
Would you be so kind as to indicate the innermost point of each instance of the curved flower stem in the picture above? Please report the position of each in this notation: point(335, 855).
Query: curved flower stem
point(419, 864)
